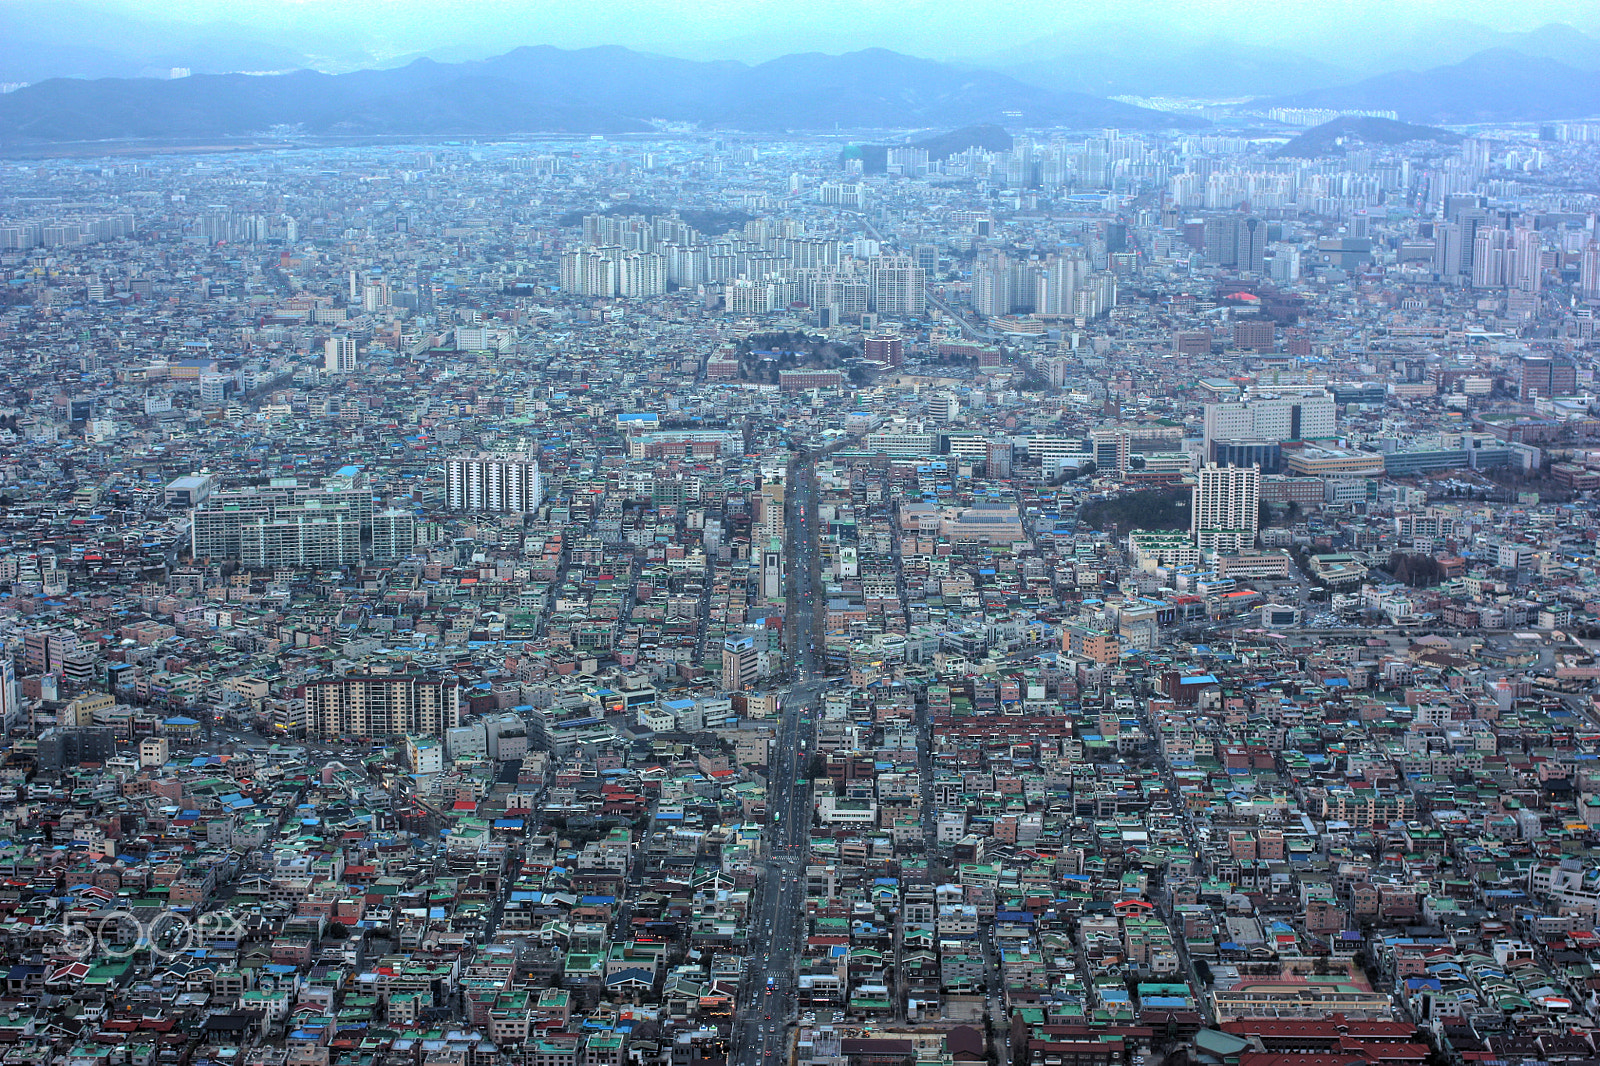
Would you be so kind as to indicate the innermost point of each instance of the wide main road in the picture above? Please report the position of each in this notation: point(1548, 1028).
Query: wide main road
point(767, 1006)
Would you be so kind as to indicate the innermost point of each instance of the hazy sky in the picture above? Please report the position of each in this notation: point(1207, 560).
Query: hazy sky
point(760, 29)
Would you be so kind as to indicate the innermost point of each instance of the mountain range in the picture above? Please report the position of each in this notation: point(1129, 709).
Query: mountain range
point(544, 89)
point(1499, 85)
point(1119, 60)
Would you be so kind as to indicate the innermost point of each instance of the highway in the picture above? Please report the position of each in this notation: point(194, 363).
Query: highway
point(768, 1006)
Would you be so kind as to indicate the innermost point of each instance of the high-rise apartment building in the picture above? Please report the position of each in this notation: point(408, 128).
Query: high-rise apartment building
point(1056, 285)
point(899, 287)
point(285, 523)
point(1225, 512)
point(394, 534)
point(1589, 272)
point(614, 270)
point(375, 295)
point(339, 354)
point(313, 535)
point(505, 482)
point(378, 704)
point(993, 287)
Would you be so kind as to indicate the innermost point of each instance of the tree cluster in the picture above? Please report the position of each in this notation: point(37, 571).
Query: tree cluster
point(1155, 509)
point(1415, 571)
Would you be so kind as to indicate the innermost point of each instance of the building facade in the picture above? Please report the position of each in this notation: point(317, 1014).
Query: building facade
point(372, 705)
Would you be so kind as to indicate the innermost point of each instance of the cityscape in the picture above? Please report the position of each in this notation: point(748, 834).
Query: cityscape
point(1007, 594)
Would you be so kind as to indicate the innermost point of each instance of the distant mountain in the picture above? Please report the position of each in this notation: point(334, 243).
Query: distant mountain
point(1456, 40)
point(1342, 134)
point(942, 146)
point(1113, 59)
point(62, 38)
point(1123, 60)
point(1494, 86)
point(529, 90)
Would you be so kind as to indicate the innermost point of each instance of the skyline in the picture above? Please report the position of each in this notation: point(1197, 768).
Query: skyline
point(337, 36)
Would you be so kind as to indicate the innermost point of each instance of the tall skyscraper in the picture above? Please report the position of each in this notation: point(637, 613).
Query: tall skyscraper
point(992, 286)
point(1222, 240)
point(1589, 272)
point(1252, 244)
point(1527, 271)
point(1057, 284)
point(500, 482)
point(1225, 512)
point(1447, 251)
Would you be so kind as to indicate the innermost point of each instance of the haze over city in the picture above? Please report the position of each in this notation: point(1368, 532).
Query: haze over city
point(1359, 36)
point(799, 534)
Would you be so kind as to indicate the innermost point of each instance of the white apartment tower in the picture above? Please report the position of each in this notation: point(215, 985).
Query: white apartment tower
point(899, 287)
point(339, 354)
point(1226, 510)
point(508, 482)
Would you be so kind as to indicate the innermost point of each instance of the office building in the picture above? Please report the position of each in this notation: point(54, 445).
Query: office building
point(1268, 455)
point(885, 348)
point(500, 483)
point(1235, 241)
point(1255, 334)
point(1225, 512)
point(740, 663)
point(1291, 418)
point(1548, 376)
point(377, 704)
point(1221, 247)
point(1251, 247)
point(1112, 449)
